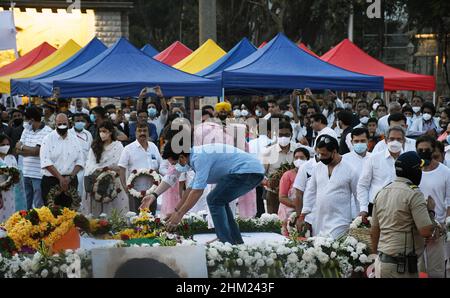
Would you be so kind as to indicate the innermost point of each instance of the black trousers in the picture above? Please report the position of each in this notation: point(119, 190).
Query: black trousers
point(370, 209)
point(260, 209)
point(47, 183)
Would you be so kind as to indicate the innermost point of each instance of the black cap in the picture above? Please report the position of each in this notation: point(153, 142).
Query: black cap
point(407, 163)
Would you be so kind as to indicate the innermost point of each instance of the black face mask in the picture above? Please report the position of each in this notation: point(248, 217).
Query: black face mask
point(223, 117)
point(327, 161)
point(304, 111)
point(425, 155)
point(18, 122)
point(444, 126)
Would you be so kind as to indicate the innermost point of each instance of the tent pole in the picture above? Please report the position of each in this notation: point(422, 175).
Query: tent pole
point(222, 99)
point(434, 98)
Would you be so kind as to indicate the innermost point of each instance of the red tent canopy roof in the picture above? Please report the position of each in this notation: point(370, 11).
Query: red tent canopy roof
point(348, 56)
point(262, 45)
point(174, 54)
point(27, 60)
point(306, 49)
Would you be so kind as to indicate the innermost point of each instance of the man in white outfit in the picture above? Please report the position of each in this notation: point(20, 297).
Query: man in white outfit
point(331, 187)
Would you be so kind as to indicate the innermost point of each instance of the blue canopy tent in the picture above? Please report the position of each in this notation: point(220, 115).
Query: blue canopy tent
point(282, 66)
point(149, 50)
point(242, 50)
point(91, 50)
point(123, 71)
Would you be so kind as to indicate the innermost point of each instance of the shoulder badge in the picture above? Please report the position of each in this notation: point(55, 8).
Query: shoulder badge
point(412, 186)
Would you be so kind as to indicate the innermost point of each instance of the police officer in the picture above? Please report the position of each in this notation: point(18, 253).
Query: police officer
point(401, 221)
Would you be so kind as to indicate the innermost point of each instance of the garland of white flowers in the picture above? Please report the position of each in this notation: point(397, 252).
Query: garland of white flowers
point(114, 193)
point(136, 174)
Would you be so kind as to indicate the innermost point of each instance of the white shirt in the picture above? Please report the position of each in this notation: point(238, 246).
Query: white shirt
point(377, 172)
point(135, 157)
point(356, 161)
point(83, 111)
point(160, 122)
point(84, 137)
point(257, 146)
point(410, 145)
point(332, 196)
point(30, 138)
point(383, 124)
point(63, 154)
point(301, 181)
point(417, 129)
point(436, 184)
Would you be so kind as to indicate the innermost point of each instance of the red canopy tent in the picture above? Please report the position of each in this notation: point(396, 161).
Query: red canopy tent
point(27, 60)
point(262, 45)
point(174, 54)
point(306, 49)
point(348, 56)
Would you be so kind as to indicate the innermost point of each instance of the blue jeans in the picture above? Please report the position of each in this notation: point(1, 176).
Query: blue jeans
point(33, 192)
point(228, 189)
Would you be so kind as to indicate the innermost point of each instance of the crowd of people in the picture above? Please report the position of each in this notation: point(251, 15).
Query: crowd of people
point(343, 152)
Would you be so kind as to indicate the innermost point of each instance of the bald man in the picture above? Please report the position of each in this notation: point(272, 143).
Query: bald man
point(61, 160)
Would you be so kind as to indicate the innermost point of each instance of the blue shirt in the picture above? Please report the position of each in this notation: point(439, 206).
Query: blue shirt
point(214, 161)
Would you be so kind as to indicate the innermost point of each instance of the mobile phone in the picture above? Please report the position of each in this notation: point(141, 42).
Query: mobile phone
point(149, 90)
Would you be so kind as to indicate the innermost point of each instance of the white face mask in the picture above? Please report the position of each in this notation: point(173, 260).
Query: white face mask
point(325, 113)
point(258, 113)
point(348, 106)
point(375, 106)
point(289, 114)
point(298, 163)
point(416, 109)
point(364, 120)
point(395, 147)
point(244, 113)
point(127, 117)
point(427, 117)
point(284, 142)
point(237, 113)
point(4, 149)
point(113, 117)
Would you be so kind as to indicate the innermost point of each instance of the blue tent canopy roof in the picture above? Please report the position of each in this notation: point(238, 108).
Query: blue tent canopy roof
point(149, 50)
point(242, 50)
point(91, 50)
point(123, 71)
point(282, 66)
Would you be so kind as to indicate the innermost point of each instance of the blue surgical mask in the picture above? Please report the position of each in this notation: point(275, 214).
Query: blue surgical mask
point(92, 117)
point(80, 126)
point(152, 112)
point(360, 148)
point(182, 169)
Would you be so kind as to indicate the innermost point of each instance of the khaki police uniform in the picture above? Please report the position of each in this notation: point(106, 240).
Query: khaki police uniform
point(399, 211)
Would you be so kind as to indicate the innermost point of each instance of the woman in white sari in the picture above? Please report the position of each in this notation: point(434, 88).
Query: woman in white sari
point(105, 153)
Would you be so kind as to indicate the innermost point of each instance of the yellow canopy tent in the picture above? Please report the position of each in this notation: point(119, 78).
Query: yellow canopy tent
point(58, 57)
point(203, 57)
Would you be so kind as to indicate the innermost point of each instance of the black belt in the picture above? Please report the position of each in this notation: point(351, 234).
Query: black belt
point(384, 258)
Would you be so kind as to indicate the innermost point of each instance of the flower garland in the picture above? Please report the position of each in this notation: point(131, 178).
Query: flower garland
point(105, 179)
point(29, 229)
point(72, 193)
point(13, 175)
point(147, 173)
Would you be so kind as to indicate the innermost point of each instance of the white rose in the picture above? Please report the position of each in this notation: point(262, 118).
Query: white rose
point(270, 262)
point(239, 262)
point(273, 256)
point(363, 259)
point(44, 273)
point(292, 258)
point(55, 270)
point(333, 255)
point(260, 263)
point(354, 255)
point(335, 245)
point(211, 263)
point(237, 274)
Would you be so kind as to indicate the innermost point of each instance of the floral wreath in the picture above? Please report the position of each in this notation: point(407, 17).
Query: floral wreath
point(147, 173)
point(56, 191)
point(105, 176)
point(13, 175)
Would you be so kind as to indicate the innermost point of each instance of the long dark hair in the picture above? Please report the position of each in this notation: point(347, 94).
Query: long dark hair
point(98, 144)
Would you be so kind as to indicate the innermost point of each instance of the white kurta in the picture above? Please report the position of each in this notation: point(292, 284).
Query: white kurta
point(333, 196)
point(302, 179)
point(9, 205)
point(356, 161)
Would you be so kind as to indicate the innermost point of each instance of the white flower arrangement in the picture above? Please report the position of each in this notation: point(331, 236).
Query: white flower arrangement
point(70, 264)
point(358, 223)
point(145, 172)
